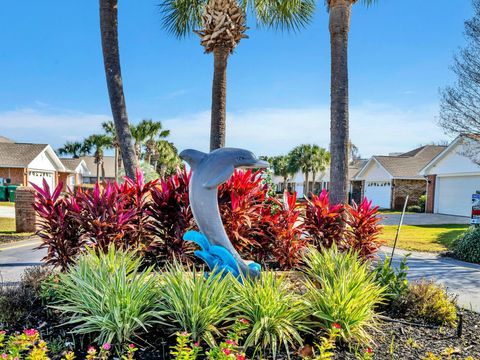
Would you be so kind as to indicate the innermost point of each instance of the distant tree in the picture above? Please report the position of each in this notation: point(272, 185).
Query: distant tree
point(98, 144)
point(353, 153)
point(302, 158)
point(166, 158)
point(460, 102)
point(320, 161)
point(109, 128)
point(74, 148)
point(111, 59)
point(223, 25)
point(282, 166)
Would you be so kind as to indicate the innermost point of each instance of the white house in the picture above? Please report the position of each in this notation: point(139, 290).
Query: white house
point(452, 178)
point(387, 180)
point(75, 171)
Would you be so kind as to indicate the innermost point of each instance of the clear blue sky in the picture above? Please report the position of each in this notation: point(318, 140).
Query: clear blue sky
point(52, 85)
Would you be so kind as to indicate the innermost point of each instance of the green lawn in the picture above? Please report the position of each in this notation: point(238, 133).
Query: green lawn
point(431, 238)
point(6, 203)
point(7, 225)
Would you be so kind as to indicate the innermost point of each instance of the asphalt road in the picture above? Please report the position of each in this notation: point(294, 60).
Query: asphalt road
point(460, 278)
point(15, 257)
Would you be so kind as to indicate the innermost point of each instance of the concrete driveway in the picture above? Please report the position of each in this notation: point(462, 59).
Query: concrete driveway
point(15, 257)
point(7, 212)
point(460, 278)
point(423, 219)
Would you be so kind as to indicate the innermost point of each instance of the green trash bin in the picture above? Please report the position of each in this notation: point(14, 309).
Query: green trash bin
point(3, 193)
point(11, 192)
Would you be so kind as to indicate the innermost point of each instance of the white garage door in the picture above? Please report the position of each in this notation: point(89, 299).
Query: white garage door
point(454, 194)
point(37, 176)
point(379, 192)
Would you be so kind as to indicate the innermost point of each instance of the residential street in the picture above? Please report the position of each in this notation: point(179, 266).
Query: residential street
point(423, 219)
point(7, 212)
point(461, 278)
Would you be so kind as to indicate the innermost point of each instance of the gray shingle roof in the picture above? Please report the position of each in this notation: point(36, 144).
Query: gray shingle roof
point(109, 164)
point(70, 163)
point(18, 154)
point(409, 164)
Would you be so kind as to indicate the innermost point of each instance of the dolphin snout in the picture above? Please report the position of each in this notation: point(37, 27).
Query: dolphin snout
point(255, 163)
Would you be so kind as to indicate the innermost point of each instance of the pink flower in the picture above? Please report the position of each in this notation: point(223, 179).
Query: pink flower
point(336, 326)
point(91, 350)
point(240, 356)
point(4, 356)
point(227, 351)
point(131, 346)
point(369, 351)
point(30, 332)
point(184, 334)
point(231, 342)
point(106, 346)
point(243, 321)
point(196, 344)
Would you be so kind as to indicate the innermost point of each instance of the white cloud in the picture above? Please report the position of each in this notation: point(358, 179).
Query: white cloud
point(375, 128)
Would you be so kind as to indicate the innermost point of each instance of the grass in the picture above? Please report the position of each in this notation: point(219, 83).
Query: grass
point(7, 225)
point(430, 238)
point(7, 203)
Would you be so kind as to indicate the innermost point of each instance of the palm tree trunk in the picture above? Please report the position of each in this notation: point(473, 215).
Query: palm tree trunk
point(219, 98)
point(103, 171)
point(98, 172)
point(285, 183)
point(116, 163)
point(111, 59)
point(313, 181)
point(340, 11)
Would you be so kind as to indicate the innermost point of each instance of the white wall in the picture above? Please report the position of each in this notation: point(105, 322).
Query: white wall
point(42, 162)
point(454, 162)
point(374, 172)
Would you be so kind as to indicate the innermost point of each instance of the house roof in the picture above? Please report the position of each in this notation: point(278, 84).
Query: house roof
point(18, 154)
point(355, 167)
point(71, 163)
point(407, 165)
point(108, 163)
point(4, 139)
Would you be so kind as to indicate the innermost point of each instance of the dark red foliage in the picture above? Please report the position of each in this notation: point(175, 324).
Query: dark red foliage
point(324, 222)
point(286, 231)
point(363, 229)
point(170, 217)
point(58, 225)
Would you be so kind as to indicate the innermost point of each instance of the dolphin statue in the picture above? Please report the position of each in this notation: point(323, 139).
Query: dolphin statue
point(208, 172)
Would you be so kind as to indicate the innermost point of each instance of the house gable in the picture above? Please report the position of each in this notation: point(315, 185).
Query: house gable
point(373, 171)
point(46, 160)
point(452, 161)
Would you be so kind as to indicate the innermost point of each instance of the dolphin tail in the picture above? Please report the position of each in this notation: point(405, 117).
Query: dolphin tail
point(197, 238)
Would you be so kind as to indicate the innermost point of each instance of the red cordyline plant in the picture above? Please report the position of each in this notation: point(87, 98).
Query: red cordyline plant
point(286, 231)
point(323, 221)
point(363, 228)
point(58, 225)
point(170, 217)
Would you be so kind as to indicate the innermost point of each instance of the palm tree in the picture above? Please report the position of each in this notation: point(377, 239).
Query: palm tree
point(302, 160)
point(111, 59)
point(154, 135)
point(320, 160)
point(340, 12)
point(223, 26)
point(99, 143)
point(166, 158)
point(71, 148)
point(139, 134)
point(282, 166)
point(109, 128)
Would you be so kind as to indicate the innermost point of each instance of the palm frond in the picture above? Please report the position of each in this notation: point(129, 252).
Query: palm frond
point(364, 2)
point(181, 17)
point(282, 14)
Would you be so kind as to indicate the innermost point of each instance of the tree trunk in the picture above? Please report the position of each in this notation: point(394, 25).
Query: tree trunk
point(313, 181)
point(340, 11)
point(103, 172)
point(305, 187)
point(285, 183)
point(111, 59)
point(116, 164)
point(98, 172)
point(219, 98)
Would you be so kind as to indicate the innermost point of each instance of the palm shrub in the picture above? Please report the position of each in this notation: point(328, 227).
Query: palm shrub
point(342, 290)
point(195, 304)
point(277, 316)
point(108, 295)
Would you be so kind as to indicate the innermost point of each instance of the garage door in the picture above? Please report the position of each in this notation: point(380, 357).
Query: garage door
point(379, 192)
point(454, 194)
point(37, 177)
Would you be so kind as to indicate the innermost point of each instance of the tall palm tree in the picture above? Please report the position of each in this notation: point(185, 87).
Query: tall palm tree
point(223, 25)
point(111, 59)
point(98, 143)
point(155, 133)
point(340, 12)
point(73, 148)
point(282, 166)
point(166, 157)
point(302, 160)
point(139, 135)
point(109, 128)
point(320, 160)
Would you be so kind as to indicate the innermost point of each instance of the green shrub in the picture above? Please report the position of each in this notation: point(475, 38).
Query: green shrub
point(414, 208)
point(467, 246)
point(19, 304)
point(109, 296)
point(393, 280)
point(342, 290)
point(430, 302)
point(276, 314)
point(422, 201)
point(194, 304)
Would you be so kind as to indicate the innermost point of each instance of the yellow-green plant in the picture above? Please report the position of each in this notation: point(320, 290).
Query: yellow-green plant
point(430, 302)
point(195, 304)
point(277, 316)
point(109, 295)
point(343, 290)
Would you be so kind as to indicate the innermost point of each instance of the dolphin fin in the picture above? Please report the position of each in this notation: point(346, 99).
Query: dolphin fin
point(223, 176)
point(197, 238)
point(192, 157)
